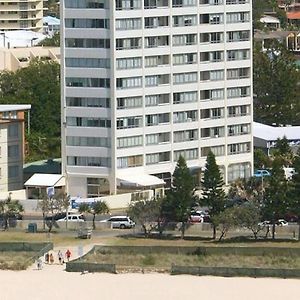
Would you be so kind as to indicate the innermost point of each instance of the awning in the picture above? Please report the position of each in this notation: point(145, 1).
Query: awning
point(45, 180)
point(138, 179)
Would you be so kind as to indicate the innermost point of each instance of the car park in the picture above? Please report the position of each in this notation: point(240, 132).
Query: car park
point(121, 222)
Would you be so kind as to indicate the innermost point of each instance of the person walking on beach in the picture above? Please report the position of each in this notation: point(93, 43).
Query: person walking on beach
point(51, 258)
point(47, 258)
point(68, 254)
point(39, 264)
point(60, 257)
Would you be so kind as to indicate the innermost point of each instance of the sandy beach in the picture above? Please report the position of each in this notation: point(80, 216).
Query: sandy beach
point(52, 282)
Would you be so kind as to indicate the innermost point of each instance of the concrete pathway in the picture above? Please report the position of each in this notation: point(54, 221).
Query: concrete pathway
point(76, 252)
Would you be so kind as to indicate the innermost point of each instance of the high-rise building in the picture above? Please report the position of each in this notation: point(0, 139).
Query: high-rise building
point(21, 14)
point(145, 81)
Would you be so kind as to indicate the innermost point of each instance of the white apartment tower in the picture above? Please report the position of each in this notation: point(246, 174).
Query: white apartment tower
point(145, 81)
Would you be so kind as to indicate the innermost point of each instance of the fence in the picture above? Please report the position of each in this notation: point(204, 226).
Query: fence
point(24, 246)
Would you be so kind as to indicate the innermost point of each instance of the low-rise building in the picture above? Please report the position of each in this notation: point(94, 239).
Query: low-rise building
point(51, 25)
point(14, 59)
point(265, 136)
point(12, 141)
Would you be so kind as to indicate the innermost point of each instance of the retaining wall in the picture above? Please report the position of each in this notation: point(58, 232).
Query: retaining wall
point(235, 272)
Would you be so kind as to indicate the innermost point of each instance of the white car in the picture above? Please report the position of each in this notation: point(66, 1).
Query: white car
point(73, 218)
point(121, 222)
point(282, 222)
point(279, 222)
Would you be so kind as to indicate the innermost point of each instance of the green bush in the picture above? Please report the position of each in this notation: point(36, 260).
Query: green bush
point(148, 260)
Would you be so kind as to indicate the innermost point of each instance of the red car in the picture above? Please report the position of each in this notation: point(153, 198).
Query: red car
point(197, 217)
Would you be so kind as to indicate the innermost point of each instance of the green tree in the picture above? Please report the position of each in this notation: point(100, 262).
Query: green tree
point(294, 197)
point(38, 85)
point(276, 88)
point(213, 194)
point(283, 151)
point(225, 220)
point(181, 197)
point(248, 216)
point(147, 213)
point(9, 209)
point(261, 159)
point(98, 208)
point(54, 41)
point(275, 201)
point(249, 189)
point(52, 205)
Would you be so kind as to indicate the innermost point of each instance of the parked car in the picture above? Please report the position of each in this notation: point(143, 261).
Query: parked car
point(289, 217)
point(289, 173)
point(199, 216)
point(196, 217)
point(279, 222)
point(264, 223)
point(56, 217)
point(261, 173)
point(73, 218)
point(121, 222)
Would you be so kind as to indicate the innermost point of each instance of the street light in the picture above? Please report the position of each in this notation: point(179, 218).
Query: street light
point(3, 34)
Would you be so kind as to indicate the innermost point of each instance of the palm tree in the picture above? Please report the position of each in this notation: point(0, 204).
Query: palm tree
point(98, 208)
point(9, 208)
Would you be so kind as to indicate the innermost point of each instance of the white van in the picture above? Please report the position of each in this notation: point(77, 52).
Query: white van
point(121, 222)
point(289, 173)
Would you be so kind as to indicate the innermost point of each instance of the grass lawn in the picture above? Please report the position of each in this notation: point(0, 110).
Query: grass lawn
point(20, 260)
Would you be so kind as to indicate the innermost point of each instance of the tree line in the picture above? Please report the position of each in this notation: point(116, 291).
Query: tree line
point(247, 203)
point(38, 85)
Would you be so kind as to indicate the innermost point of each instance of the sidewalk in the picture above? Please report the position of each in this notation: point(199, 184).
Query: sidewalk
point(76, 252)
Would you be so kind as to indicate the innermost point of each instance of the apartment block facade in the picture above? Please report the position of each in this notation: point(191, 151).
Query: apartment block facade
point(145, 81)
point(21, 14)
point(12, 141)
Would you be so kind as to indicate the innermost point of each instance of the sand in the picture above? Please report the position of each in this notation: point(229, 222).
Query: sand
point(52, 282)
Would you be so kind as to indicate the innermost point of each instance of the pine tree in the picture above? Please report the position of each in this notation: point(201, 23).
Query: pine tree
point(180, 199)
point(294, 197)
point(275, 200)
point(213, 194)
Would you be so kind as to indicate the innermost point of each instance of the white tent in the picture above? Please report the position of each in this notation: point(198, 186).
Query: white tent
point(138, 179)
point(45, 180)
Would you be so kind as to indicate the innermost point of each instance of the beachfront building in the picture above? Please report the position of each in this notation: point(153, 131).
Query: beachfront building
point(145, 81)
point(12, 144)
point(20, 14)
